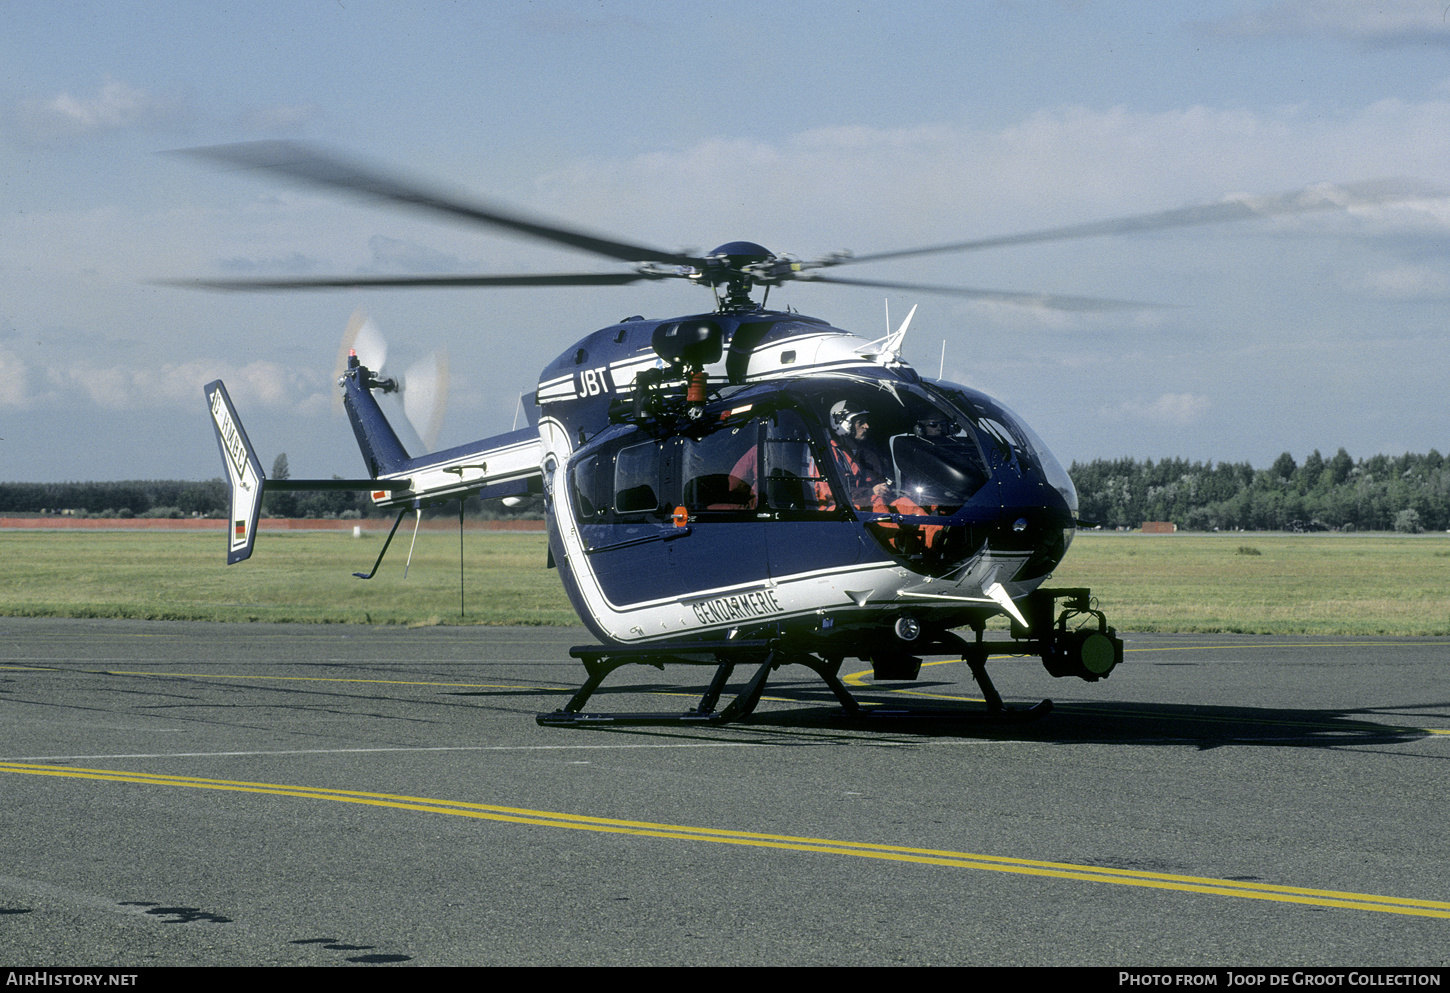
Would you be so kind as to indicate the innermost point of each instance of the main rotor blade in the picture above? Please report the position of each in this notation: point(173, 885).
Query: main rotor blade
point(320, 168)
point(1048, 301)
point(375, 282)
point(1328, 197)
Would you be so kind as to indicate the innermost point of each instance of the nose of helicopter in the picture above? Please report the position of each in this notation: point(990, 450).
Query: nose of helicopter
point(1039, 535)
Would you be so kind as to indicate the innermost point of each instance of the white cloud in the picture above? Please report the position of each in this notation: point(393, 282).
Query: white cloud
point(1170, 408)
point(17, 391)
point(881, 188)
point(1382, 22)
point(1410, 282)
point(267, 385)
point(392, 255)
point(115, 106)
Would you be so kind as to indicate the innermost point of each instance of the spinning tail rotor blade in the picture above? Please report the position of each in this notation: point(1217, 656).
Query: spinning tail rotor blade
point(425, 397)
point(368, 341)
point(423, 388)
point(363, 337)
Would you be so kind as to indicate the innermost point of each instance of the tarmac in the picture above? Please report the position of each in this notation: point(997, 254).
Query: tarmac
point(289, 795)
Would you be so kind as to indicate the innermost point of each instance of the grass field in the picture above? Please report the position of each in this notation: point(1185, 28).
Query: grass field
point(1267, 583)
point(300, 576)
point(1251, 583)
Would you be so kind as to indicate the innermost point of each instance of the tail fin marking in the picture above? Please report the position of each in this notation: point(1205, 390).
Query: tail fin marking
point(244, 472)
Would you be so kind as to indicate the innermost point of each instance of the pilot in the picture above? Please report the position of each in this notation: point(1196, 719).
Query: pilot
point(935, 426)
point(859, 461)
point(864, 469)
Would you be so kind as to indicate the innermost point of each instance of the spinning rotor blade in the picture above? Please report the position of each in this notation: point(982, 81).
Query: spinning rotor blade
point(1328, 197)
point(405, 282)
point(363, 337)
point(425, 397)
point(319, 168)
point(423, 389)
point(735, 268)
point(1047, 301)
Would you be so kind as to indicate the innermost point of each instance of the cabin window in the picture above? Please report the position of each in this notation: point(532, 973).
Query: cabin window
point(637, 479)
point(719, 472)
point(593, 479)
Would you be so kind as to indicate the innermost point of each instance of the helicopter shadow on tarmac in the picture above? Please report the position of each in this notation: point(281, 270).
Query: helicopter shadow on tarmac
point(935, 710)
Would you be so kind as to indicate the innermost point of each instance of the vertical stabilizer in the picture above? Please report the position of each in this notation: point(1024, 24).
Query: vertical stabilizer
point(244, 473)
point(381, 449)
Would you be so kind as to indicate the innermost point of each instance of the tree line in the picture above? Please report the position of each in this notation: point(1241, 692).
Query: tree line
point(1381, 493)
point(166, 498)
point(172, 498)
point(180, 498)
point(1407, 493)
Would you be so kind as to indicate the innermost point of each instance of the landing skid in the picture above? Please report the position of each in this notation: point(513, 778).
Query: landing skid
point(767, 655)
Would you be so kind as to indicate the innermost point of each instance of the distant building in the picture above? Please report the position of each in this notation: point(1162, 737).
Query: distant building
point(1159, 527)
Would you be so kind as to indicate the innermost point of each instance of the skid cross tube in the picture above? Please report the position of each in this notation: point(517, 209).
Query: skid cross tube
point(599, 661)
point(767, 654)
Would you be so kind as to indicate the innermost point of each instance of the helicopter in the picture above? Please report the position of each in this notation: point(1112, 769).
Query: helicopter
point(746, 486)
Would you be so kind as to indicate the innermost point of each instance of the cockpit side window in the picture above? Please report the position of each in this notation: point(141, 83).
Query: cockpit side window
point(794, 480)
point(593, 479)
point(1002, 440)
point(898, 449)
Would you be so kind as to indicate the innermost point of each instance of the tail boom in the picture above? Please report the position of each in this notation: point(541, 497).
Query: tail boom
point(504, 465)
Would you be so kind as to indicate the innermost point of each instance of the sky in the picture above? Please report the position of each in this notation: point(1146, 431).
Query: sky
point(809, 127)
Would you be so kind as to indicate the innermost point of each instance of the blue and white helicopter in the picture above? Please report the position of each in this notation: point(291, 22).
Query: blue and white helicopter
point(746, 486)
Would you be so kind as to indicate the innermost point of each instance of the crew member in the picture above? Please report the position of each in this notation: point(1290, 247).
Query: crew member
point(867, 483)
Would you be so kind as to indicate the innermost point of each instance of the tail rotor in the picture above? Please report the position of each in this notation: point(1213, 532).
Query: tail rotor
point(423, 388)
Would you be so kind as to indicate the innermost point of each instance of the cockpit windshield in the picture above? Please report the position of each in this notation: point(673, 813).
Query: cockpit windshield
point(1009, 442)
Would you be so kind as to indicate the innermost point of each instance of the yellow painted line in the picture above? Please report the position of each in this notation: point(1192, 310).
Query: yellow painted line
point(824, 846)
